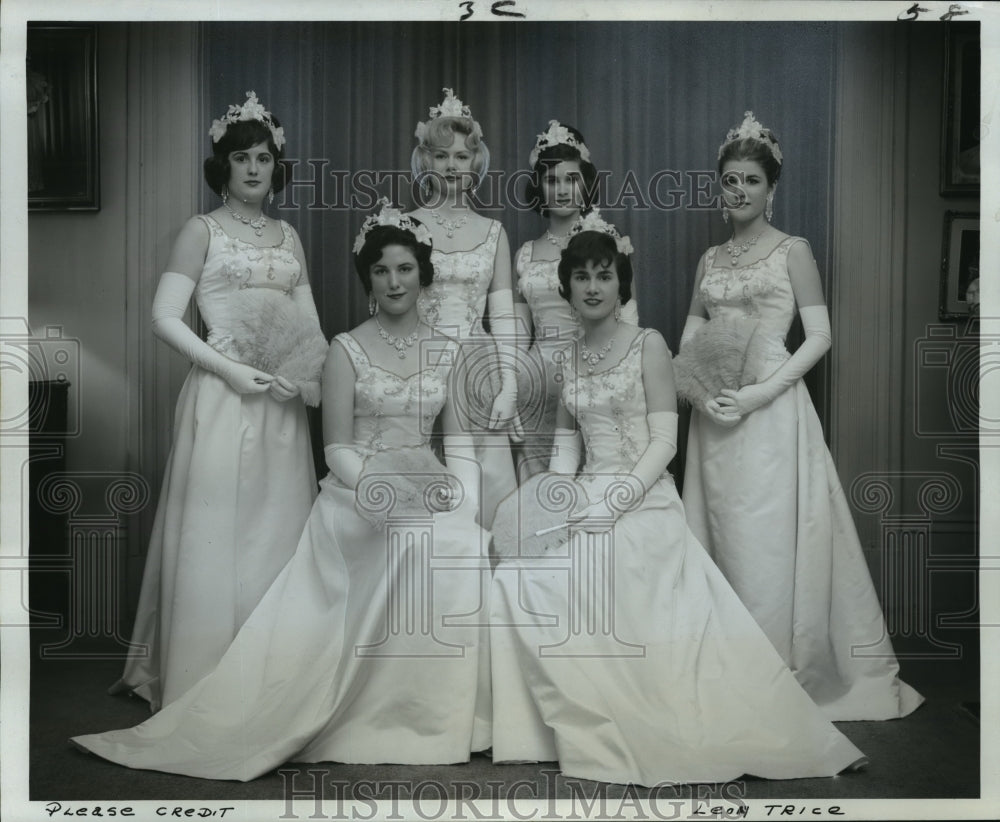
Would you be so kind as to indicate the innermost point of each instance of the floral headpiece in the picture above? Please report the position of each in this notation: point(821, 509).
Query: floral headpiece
point(593, 221)
point(556, 135)
point(394, 217)
point(451, 106)
point(751, 129)
point(250, 110)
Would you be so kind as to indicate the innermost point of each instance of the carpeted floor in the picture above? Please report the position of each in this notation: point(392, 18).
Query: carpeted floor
point(932, 753)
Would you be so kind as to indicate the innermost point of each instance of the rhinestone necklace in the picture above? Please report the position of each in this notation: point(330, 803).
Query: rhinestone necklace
point(257, 224)
point(401, 344)
point(449, 226)
point(556, 240)
point(736, 249)
point(592, 358)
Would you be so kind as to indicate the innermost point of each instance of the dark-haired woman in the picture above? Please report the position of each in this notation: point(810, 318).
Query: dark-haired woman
point(638, 662)
point(562, 186)
point(358, 652)
point(760, 488)
point(240, 478)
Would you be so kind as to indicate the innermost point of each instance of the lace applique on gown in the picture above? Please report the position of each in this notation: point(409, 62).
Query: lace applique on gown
point(324, 669)
point(765, 500)
point(455, 303)
point(238, 485)
point(626, 655)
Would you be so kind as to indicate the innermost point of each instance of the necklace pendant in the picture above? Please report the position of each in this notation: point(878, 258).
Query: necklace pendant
point(556, 240)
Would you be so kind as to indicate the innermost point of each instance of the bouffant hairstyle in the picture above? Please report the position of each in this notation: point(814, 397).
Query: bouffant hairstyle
point(757, 151)
point(376, 241)
point(594, 247)
point(440, 133)
point(240, 136)
point(552, 156)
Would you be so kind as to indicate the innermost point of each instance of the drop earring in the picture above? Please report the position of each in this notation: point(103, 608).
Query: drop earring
point(769, 207)
point(225, 194)
point(372, 306)
point(270, 196)
point(725, 216)
point(618, 309)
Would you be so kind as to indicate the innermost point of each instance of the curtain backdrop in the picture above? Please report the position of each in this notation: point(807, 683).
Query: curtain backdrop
point(648, 97)
point(653, 100)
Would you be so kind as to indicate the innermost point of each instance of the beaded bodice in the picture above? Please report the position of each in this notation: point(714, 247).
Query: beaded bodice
point(392, 411)
point(761, 289)
point(610, 408)
point(538, 283)
point(456, 300)
point(231, 265)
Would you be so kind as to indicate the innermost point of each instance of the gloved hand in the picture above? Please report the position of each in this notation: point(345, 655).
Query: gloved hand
point(746, 400)
point(169, 304)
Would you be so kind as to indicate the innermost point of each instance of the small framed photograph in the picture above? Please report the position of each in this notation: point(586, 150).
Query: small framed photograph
point(63, 171)
point(959, 266)
point(961, 127)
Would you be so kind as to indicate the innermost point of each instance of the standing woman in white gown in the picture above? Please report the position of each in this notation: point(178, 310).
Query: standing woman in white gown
point(562, 186)
point(325, 669)
point(240, 477)
point(472, 278)
point(637, 661)
point(760, 488)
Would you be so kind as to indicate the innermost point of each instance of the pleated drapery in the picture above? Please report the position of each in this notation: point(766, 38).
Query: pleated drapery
point(653, 99)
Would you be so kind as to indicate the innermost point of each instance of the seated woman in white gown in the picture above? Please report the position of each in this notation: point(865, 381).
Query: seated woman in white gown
point(322, 670)
point(622, 652)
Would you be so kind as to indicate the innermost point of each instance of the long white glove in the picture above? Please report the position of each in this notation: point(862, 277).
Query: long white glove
point(599, 516)
point(344, 462)
point(169, 304)
point(566, 450)
point(460, 457)
point(816, 324)
point(503, 325)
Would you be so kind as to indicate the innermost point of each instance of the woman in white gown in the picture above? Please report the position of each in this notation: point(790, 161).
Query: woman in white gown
point(760, 488)
point(240, 478)
point(638, 662)
point(471, 277)
point(562, 186)
point(328, 667)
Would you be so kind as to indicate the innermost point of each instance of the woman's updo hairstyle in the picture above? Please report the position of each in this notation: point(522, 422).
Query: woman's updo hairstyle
point(754, 142)
point(448, 120)
point(378, 238)
point(551, 156)
point(240, 136)
point(594, 247)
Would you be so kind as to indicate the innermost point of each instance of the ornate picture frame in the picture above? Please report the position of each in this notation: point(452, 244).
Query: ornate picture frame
point(63, 156)
point(959, 263)
point(960, 121)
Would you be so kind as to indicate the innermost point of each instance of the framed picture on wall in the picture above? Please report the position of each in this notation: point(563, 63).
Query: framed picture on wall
point(959, 266)
point(961, 132)
point(62, 117)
